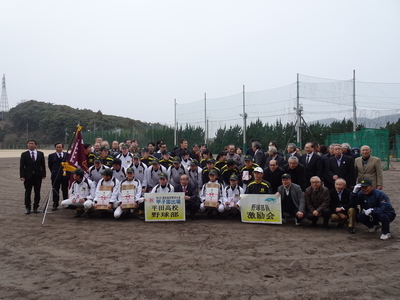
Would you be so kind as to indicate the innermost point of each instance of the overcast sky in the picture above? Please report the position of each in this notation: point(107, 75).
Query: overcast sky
point(132, 58)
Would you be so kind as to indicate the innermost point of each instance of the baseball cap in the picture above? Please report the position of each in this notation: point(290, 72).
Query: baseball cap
point(259, 170)
point(107, 172)
point(213, 172)
point(248, 157)
point(162, 175)
point(233, 177)
point(286, 175)
point(230, 162)
point(130, 170)
point(366, 182)
point(211, 161)
point(116, 161)
point(79, 172)
point(194, 162)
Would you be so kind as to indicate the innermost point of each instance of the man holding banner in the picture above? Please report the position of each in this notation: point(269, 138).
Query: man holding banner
point(82, 189)
point(107, 192)
point(257, 205)
point(211, 194)
point(129, 196)
point(293, 202)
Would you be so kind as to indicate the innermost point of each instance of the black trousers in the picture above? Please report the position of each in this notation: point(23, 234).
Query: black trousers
point(34, 182)
point(326, 214)
point(292, 212)
point(193, 206)
point(56, 184)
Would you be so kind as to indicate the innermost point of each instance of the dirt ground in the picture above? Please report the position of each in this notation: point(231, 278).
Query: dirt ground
point(210, 258)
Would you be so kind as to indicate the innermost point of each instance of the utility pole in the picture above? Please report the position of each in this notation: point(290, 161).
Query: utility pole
point(4, 99)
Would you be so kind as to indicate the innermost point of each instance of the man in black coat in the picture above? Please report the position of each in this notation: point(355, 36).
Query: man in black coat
point(341, 166)
point(32, 171)
point(272, 154)
point(259, 154)
point(192, 200)
point(312, 162)
point(296, 171)
point(291, 151)
point(273, 174)
point(342, 209)
point(57, 177)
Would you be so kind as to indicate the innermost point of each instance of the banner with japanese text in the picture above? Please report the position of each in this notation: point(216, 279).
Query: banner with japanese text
point(165, 207)
point(261, 208)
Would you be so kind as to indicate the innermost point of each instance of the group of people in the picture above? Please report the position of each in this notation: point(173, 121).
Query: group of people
point(331, 182)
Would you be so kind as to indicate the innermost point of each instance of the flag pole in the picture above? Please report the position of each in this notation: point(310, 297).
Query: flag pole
point(46, 205)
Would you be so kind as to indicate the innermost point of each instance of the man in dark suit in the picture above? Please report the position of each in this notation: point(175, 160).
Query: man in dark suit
point(259, 154)
point(291, 151)
point(192, 200)
point(57, 177)
point(341, 206)
point(32, 171)
point(312, 162)
point(272, 154)
point(340, 166)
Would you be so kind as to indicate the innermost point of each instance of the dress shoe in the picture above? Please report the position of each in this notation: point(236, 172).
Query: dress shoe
point(79, 213)
point(192, 216)
point(35, 211)
point(326, 227)
point(352, 230)
point(340, 224)
point(54, 208)
point(27, 211)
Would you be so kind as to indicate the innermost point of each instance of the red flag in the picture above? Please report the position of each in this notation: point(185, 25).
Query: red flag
point(77, 157)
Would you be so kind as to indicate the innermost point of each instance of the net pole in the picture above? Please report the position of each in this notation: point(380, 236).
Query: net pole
point(205, 120)
point(175, 123)
point(298, 112)
point(354, 102)
point(244, 119)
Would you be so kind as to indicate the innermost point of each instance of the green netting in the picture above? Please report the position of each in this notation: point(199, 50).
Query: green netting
point(397, 148)
point(376, 139)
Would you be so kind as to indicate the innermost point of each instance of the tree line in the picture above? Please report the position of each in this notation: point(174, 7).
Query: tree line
point(47, 123)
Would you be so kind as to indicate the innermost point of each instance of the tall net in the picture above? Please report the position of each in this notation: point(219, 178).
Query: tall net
point(323, 100)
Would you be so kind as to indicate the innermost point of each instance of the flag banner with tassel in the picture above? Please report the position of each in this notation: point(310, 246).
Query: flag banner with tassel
point(77, 157)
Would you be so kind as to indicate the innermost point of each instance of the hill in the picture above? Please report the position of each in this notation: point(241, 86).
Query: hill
point(48, 122)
